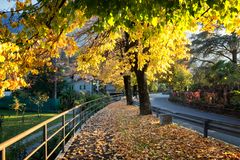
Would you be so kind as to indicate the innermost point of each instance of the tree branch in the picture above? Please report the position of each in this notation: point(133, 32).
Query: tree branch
point(203, 13)
point(203, 60)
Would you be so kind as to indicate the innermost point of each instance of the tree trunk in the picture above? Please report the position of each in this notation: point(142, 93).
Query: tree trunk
point(234, 56)
point(128, 89)
point(145, 105)
point(225, 94)
point(135, 91)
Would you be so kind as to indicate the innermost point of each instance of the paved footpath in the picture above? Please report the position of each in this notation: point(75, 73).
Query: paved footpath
point(161, 101)
point(95, 139)
point(118, 132)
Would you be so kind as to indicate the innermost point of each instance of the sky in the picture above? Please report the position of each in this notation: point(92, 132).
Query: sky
point(8, 4)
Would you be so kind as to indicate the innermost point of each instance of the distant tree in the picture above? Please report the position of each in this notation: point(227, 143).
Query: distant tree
point(223, 73)
point(44, 83)
point(200, 77)
point(16, 105)
point(209, 48)
point(163, 87)
point(19, 107)
point(181, 78)
point(69, 97)
point(153, 86)
point(39, 99)
point(219, 74)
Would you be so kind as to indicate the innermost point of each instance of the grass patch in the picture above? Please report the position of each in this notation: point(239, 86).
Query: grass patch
point(13, 125)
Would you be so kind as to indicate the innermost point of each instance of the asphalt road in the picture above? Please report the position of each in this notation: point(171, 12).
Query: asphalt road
point(161, 101)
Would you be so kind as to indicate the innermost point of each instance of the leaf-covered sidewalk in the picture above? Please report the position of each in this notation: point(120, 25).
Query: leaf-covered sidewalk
point(118, 132)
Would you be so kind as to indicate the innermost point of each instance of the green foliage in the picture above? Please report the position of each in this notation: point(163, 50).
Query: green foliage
point(163, 87)
point(235, 98)
point(182, 78)
point(69, 98)
point(5, 102)
point(93, 97)
point(223, 73)
point(153, 87)
point(25, 96)
point(200, 77)
point(208, 48)
point(44, 83)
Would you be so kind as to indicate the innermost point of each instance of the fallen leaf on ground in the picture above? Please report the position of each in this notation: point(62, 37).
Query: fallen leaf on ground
point(118, 132)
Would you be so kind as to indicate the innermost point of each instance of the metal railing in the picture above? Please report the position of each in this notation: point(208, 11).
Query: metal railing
point(62, 127)
point(206, 124)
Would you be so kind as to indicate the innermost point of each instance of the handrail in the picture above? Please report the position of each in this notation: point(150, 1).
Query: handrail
point(44, 124)
point(196, 117)
point(223, 127)
point(33, 129)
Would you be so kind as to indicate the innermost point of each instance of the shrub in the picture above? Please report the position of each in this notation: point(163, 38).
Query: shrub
point(93, 97)
point(70, 98)
point(235, 98)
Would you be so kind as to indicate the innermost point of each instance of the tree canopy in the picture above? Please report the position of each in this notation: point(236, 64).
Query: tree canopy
point(211, 47)
point(153, 33)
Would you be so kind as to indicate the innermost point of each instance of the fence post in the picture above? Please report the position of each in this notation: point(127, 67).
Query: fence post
point(63, 132)
point(96, 107)
point(3, 154)
point(45, 137)
point(83, 116)
point(80, 117)
point(74, 122)
point(205, 128)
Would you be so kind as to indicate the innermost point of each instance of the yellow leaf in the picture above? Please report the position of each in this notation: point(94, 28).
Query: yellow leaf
point(2, 58)
point(4, 16)
point(14, 24)
point(154, 21)
point(111, 21)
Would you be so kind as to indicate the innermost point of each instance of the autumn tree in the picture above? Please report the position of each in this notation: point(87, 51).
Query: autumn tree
point(128, 61)
point(144, 50)
point(42, 32)
point(18, 106)
point(155, 28)
point(155, 33)
point(110, 47)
